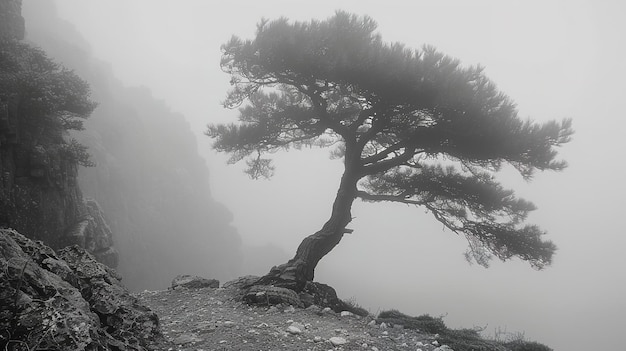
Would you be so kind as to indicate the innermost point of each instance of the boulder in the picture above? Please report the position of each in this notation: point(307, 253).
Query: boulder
point(272, 295)
point(194, 282)
point(67, 301)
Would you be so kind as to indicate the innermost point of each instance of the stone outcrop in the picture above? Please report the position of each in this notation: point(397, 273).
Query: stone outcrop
point(66, 300)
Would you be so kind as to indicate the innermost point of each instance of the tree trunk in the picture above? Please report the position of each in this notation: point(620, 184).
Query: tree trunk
point(301, 268)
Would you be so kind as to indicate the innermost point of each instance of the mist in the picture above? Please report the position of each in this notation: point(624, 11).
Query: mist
point(557, 59)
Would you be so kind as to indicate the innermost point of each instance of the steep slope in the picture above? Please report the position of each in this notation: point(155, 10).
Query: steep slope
point(40, 102)
point(149, 178)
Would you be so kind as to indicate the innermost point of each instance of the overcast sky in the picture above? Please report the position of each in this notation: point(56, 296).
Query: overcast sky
point(556, 59)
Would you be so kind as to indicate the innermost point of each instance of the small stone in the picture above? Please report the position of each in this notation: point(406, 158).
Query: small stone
point(317, 339)
point(383, 325)
point(229, 324)
point(346, 313)
point(372, 323)
point(338, 341)
point(374, 348)
point(293, 330)
point(385, 333)
point(326, 310)
point(290, 309)
point(435, 343)
point(223, 341)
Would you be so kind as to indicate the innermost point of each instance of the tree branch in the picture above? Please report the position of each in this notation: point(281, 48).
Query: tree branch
point(363, 195)
point(386, 164)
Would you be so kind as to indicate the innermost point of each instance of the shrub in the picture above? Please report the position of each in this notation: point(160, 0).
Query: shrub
point(424, 322)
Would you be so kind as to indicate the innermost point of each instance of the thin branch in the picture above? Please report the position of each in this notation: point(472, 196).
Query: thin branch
point(383, 154)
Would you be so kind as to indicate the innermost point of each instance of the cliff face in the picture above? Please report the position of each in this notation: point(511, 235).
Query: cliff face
point(149, 179)
point(11, 20)
point(39, 193)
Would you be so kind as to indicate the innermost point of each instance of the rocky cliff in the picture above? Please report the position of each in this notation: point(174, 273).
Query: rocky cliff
point(65, 300)
point(11, 20)
point(149, 179)
point(40, 102)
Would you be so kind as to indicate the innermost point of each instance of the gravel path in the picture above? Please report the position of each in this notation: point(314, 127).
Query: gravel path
point(213, 319)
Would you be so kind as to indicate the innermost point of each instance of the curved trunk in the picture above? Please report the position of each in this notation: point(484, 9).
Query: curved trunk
point(301, 268)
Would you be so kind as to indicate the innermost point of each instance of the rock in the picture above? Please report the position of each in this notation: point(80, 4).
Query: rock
point(317, 339)
point(272, 295)
point(443, 348)
point(325, 296)
point(314, 308)
point(294, 330)
point(68, 300)
point(186, 339)
point(346, 314)
point(337, 341)
point(241, 282)
point(11, 20)
point(194, 282)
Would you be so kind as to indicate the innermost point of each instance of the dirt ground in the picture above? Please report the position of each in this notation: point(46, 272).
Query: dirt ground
point(214, 319)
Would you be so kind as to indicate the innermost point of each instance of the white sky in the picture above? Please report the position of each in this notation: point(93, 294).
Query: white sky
point(556, 59)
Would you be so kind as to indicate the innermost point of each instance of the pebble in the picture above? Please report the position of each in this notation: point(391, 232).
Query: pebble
point(337, 341)
point(346, 313)
point(294, 330)
point(317, 339)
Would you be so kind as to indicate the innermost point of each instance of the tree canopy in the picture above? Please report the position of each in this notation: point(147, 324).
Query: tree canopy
point(412, 126)
point(48, 98)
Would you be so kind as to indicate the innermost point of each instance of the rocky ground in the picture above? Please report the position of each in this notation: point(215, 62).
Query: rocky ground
point(214, 319)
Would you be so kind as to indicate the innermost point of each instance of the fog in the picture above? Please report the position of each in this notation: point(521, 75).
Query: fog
point(556, 59)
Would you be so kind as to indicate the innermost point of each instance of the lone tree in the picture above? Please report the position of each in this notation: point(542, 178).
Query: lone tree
point(412, 127)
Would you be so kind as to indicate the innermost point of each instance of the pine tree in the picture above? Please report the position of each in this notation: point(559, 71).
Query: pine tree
point(412, 127)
